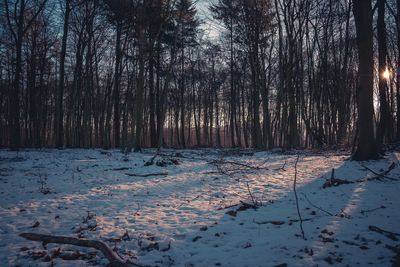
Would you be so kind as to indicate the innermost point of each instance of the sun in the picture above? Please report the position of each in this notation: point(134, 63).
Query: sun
point(386, 74)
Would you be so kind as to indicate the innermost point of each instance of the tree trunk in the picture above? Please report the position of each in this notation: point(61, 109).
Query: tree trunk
point(153, 133)
point(60, 93)
point(366, 149)
point(140, 92)
point(383, 87)
point(15, 107)
point(398, 71)
point(117, 75)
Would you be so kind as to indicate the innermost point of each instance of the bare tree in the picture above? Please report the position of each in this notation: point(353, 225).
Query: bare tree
point(366, 148)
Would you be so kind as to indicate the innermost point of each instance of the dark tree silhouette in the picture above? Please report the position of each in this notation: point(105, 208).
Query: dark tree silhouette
point(366, 148)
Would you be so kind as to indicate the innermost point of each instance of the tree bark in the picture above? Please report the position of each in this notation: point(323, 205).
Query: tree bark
point(366, 149)
point(140, 91)
point(384, 118)
point(116, 95)
point(60, 93)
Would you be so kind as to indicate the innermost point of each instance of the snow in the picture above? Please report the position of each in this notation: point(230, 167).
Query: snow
point(189, 213)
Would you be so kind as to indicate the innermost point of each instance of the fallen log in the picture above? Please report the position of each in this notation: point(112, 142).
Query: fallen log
point(240, 164)
point(114, 259)
point(147, 174)
point(271, 222)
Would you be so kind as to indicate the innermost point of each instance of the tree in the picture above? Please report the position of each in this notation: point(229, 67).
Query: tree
point(398, 69)
point(120, 12)
point(19, 22)
point(366, 148)
point(60, 92)
point(384, 119)
point(227, 11)
point(135, 73)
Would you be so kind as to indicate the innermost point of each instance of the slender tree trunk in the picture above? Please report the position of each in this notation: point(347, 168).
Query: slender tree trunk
point(116, 95)
point(60, 93)
point(398, 70)
point(232, 92)
point(15, 105)
point(182, 94)
point(383, 87)
point(140, 92)
point(153, 133)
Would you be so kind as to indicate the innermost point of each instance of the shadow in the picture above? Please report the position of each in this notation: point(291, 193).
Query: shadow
point(335, 223)
point(173, 209)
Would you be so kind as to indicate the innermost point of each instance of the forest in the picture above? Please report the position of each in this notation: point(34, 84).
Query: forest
point(260, 74)
point(199, 133)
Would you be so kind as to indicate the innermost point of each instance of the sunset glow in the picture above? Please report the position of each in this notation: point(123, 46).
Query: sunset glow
point(386, 74)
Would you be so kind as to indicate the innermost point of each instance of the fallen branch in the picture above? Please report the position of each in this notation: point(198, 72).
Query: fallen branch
point(244, 165)
point(378, 208)
point(147, 174)
point(228, 207)
point(226, 172)
point(297, 199)
point(114, 259)
point(245, 206)
point(120, 169)
point(151, 160)
point(278, 222)
point(162, 162)
point(388, 234)
point(270, 222)
point(379, 176)
point(334, 181)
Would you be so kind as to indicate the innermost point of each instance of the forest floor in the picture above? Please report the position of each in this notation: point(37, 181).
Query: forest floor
point(200, 208)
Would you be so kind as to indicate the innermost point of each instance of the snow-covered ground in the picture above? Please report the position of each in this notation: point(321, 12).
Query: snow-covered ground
point(187, 208)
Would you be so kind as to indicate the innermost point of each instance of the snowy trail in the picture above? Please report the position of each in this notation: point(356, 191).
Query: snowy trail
point(184, 213)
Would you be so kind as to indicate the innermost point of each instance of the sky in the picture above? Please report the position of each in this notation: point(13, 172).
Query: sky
point(211, 27)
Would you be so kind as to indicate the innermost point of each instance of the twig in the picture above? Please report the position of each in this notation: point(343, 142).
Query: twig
point(319, 208)
point(297, 199)
point(378, 208)
point(137, 210)
point(251, 196)
point(281, 168)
